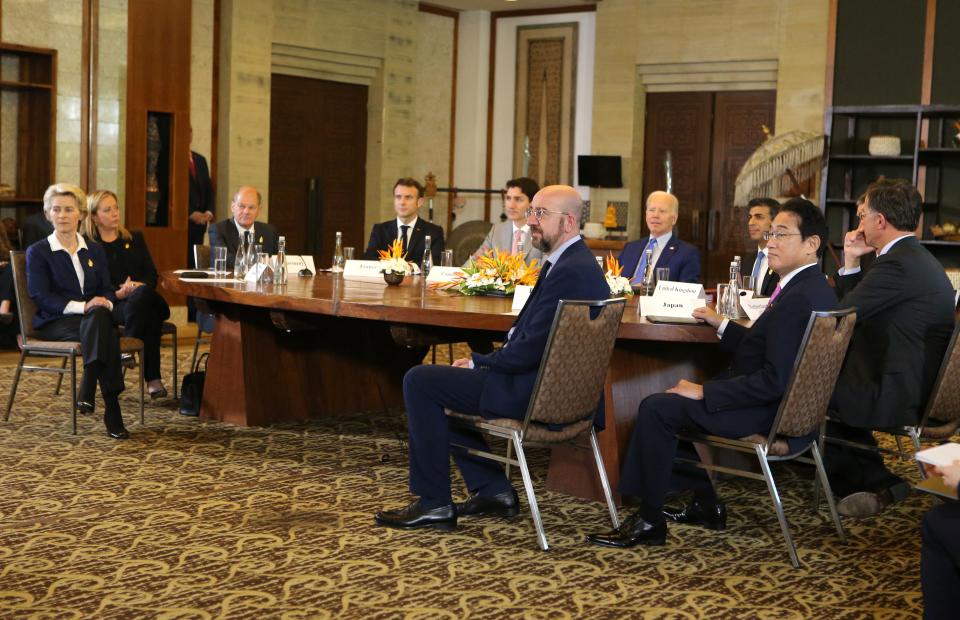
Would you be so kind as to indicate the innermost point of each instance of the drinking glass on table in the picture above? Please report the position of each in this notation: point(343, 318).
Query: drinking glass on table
point(746, 283)
point(663, 273)
point(347, 253)
point(219, 261)
point(263, 262)
point(446, 258)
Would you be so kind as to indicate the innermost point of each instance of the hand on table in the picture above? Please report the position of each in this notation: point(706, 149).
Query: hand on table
point(708, 315)
point(687, 389)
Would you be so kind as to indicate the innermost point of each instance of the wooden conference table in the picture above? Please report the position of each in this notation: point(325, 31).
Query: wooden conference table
point(322, 345)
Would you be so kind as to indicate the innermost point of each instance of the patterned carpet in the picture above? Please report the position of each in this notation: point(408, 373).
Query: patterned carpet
point(197, 520)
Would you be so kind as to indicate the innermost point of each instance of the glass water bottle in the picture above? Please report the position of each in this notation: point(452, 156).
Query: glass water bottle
point(338, 254)
point(280, 264)
point(427, 263)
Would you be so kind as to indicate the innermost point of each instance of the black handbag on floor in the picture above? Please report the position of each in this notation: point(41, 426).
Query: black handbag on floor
point(191, 390)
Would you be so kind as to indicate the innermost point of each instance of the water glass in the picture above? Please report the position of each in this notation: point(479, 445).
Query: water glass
point(663, 273)
point(263, 262)
point(746, 283)
point(219, 261)
point(446, 258)
point(348, 253)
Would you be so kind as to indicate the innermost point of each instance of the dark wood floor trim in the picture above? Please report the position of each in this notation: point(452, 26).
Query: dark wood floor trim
point(831, 54)
point(491, 82)
point(926, 84)
point(587, 8)
point(426, 7)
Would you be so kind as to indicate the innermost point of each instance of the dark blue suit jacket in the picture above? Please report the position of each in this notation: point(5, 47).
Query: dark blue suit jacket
point(512, 370)
point(52, 282)
point(749, 393)
point(682, 258)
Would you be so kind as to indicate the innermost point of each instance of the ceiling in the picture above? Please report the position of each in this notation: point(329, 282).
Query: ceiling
point(503, 5)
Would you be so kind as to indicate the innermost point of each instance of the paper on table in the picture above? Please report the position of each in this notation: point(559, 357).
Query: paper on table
point(443, 274)
point(754, 306)
point(668, 306)
point(520, 296)
point(685, 290)
point(939, 456)
point(366, 270)
point(935, 485)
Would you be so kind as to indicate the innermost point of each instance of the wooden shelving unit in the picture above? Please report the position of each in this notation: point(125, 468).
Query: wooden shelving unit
point(31, 73)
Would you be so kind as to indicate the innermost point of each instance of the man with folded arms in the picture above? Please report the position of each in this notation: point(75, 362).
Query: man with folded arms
point(741, 402)
point(905, 308)
point(494, 385)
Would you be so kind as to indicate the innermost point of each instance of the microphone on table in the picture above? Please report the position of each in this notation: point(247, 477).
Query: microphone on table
point(305, 272)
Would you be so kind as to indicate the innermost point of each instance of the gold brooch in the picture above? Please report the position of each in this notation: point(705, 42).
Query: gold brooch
point(90, 262)
point(126, 246)
point(261, 239)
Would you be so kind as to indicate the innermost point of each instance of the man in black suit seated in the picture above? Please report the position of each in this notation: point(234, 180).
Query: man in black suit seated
point(667, 250)
point(739, 403)
point(905, 308)
point(492, 385)
point(245, 207)
point(761, 212)
point(408, 226)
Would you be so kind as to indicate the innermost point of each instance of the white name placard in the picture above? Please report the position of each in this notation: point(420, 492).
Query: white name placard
point(754, 306)
point(520, 296)
point(367, 270)
point(255, 272)
point(444, 274)
point(679, 289)
point(670, 306)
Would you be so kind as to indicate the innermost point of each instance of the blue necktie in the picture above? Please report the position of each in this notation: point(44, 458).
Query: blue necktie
point(642, 266)
point(756, 270)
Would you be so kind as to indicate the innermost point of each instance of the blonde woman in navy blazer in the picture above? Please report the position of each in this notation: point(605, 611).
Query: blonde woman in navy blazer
point(69, 282)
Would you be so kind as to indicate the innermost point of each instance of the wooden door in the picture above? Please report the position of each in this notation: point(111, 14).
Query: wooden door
point(710, 135)
point(318, 129)
point(680, 123)
point(737, 132)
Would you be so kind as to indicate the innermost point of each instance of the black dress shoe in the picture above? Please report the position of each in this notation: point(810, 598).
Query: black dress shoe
point(84, 406)
point(505, 504)
point(713, 517)
point(635, 530)
point(412, 516)
point(118, 433)
point(161, 393)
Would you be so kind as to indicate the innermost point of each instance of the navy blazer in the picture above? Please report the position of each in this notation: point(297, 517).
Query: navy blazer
point(225, 233)
point(905, 316)
point(384, 233)
point(52, 282)
point(682, 258)
point(764, 354)
point(512, 371)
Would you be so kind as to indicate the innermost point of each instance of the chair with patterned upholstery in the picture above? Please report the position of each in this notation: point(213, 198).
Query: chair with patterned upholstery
point(30, 345)
point(941, 416)
point(801, 416)
point(564, 401)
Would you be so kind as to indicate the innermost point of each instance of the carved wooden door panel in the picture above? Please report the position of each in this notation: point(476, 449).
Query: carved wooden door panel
point(680, 123)
point(738, 118)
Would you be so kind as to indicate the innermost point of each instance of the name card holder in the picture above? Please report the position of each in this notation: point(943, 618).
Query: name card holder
point(670, 308)
point(753, 307)
point(444, 274)
point(685, 290)
point(363, 271)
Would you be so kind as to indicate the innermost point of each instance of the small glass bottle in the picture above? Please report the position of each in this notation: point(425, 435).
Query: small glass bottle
point(280, 264)
point(338, 254)
point(648, 274)
point(240, 262)
point(736, 259)
point(731, 306)
point(427, 264)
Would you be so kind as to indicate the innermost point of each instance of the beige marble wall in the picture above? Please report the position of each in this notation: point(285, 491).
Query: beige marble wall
point(434, 79)
point(112, 97)
point(629, 33)
point(384, 30)
point(201, 76)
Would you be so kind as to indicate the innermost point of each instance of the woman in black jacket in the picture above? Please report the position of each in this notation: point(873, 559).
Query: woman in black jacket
point(139, 307)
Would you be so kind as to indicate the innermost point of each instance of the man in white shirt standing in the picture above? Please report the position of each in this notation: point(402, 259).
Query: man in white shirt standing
point(761, 212)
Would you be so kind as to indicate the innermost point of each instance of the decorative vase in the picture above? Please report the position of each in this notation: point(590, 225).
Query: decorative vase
point(393, 278)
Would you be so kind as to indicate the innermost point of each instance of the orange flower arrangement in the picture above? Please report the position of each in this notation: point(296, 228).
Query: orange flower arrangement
point(496, 272)
point(394, 259)
point(619, 286)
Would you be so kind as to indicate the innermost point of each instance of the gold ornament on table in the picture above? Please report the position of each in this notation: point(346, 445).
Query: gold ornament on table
point(495, 273)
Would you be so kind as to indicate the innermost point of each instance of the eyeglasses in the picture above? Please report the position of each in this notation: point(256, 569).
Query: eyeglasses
point(539, 212)
point(862, 215)
point(767, 236)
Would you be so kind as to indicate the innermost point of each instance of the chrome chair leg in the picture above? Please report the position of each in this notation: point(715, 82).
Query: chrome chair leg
point(176, 360)
point(778, 505)
point(73, 387)
point(528, 486)
point(506, 468)
point(16, 382)
point(604, 482)
point(63, 367)
point(822, 475)
point(142, 420)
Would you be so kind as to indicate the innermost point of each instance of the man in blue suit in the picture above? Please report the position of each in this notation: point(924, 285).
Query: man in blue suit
point(682, 258)
point(741, 402)
point(493, 385)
